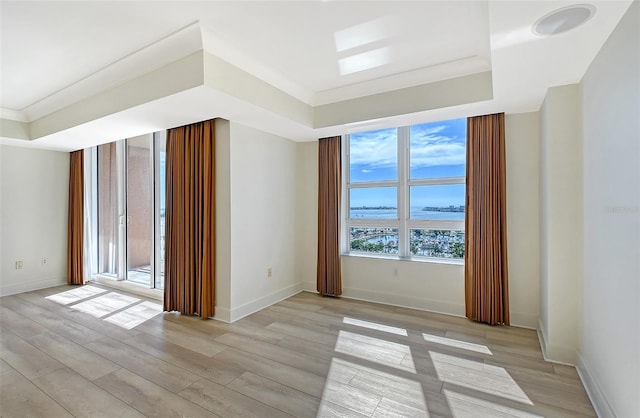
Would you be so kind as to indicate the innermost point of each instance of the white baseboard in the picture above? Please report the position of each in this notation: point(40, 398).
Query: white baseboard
point(395, 300)
point(30, 285)
point(404, 301)
point(263, 302)
point(594, 391)
point(542, 339)
point(518, 319)
point(523, 320)
point(223, 314)
point(555, 353)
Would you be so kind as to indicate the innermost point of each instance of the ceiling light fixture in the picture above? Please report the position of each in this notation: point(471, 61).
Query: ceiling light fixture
point(563, 20)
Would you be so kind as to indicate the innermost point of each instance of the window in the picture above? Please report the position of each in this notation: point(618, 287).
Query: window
point(405, 190)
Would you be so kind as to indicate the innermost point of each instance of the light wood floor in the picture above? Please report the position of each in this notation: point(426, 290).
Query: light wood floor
point(306, 356)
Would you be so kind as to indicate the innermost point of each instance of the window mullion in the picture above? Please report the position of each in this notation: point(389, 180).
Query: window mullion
point(437, 181)
point(121, 172)
point(403, 192)
point(370, 184)
point(346, 204)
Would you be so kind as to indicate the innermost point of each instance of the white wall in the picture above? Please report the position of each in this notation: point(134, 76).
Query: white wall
point(34, 189)
point(223, 220)
point(432, 286)
point(263, 213)
point(609, 359)
point(307, 213)
point(560, 223)
point(522, 141)
point(437, 287)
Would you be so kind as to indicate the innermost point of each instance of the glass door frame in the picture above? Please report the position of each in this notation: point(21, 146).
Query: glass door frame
point(123, 217)
point(159, 140)
point(121, 190)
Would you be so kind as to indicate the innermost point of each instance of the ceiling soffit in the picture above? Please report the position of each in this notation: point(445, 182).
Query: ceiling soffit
point(253, 70)
point(148, 75)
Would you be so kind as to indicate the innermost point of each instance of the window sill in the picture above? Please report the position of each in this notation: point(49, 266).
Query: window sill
point(432, 260)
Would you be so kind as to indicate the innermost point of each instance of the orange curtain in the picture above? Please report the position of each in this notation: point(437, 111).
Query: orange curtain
point(486, 284)
point(329, 196)
point(75, 225)
point(190, 220)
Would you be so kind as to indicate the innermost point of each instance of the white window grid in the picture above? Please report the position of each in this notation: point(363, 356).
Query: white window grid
point(403, 184)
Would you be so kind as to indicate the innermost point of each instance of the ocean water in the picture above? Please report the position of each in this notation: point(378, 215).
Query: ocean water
point(416, 213)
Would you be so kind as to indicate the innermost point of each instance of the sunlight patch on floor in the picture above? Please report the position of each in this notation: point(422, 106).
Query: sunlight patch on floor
point(135, 315)
point(74, 295)
point(376, 350)
point(125, 311)
point(462, 405)
point(465, 373)
point(355, 388)
point(478, 348)
point(375, 326)
point(104, 305)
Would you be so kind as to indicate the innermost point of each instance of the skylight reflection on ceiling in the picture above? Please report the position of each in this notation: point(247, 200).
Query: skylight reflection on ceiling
point(364, 61)
point(362, 34)
point(375, 326)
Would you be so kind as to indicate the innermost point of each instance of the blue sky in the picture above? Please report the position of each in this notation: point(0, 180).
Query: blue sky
point(437, 149)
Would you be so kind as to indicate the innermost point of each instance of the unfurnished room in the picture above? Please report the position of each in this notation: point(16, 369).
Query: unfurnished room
point(320, 208)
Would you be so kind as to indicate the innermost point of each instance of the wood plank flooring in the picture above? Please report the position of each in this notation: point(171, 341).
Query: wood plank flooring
point(69, 352)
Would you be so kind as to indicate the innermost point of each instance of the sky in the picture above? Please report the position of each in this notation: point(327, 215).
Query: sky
point(437, 149)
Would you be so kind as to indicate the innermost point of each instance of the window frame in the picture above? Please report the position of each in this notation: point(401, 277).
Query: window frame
point(403, 186)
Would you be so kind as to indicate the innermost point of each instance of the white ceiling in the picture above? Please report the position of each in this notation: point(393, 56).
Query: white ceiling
point(56, 54)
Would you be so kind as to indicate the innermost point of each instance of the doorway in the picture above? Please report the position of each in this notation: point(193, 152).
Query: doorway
point(130, 183)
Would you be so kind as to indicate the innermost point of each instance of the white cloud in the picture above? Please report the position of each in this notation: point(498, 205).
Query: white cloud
point(428, 155)
point(379, 149)
point(421, 130)
point(375, 149)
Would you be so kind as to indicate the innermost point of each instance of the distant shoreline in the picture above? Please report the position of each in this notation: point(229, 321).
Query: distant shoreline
point(444, 209)
point(455, 209)
point(374, 208)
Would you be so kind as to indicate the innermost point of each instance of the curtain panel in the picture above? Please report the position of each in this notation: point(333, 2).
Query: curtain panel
point(329, 278)
point(190, 218)
point(486, 281)
point(75, 224)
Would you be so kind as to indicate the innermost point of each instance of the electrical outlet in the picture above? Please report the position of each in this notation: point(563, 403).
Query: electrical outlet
point(269, 272)
point(44, 261)
point(19, 265)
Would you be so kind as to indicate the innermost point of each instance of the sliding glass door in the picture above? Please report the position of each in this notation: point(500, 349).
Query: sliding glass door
point(130, 201)
point(139, 206)
point(109, 221)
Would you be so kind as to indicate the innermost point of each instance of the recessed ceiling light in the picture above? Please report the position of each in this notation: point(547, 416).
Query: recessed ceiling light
point(563, 20)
